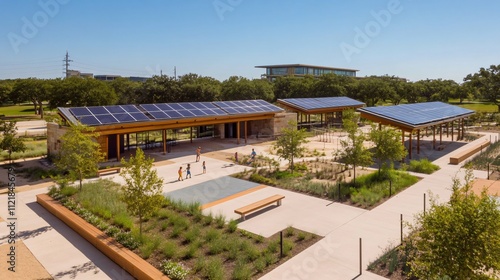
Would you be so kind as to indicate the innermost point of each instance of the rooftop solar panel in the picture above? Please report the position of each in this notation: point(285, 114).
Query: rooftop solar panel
point(115, 109)
point(321, 102)
point(418, 113)
point(100, 110)
point(79, 111)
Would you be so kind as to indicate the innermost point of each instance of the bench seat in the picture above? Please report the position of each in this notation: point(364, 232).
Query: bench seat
point(108, 171)
point(461, 156)
point(258, 205)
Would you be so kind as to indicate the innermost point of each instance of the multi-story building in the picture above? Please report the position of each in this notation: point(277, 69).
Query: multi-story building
point(300, 70)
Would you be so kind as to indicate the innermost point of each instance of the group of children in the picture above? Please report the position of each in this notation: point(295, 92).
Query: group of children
point(188, 167)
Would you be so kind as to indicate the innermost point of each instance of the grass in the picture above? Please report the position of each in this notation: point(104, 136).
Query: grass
point(423, 166)
point(34, 148)
point(477, 106)
point(206, 247)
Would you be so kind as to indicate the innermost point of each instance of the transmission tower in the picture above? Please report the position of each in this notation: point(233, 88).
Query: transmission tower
point(66, 61)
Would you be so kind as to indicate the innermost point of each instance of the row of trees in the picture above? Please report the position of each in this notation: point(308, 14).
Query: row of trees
point(373, 90)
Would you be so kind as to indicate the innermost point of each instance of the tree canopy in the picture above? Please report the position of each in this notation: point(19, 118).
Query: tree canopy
point(388, 145)
point(459, 239)
point(487, 83)
point(8, 140)
point(79, 153)
point(143, 189)
point(289, 144)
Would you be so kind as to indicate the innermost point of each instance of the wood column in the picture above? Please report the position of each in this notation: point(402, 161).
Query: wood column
point(452, 127)
point(238, 132)
point(434, 137)
point(403, 142)
point(245, 132)
point(410, 145)
point(164, 136)
point(118, 157)
point(440, 134)
point(191, 134)
point(418, 142)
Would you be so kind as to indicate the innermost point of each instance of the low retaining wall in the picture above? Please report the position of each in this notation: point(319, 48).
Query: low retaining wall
point(125, 258)
point(461, 156)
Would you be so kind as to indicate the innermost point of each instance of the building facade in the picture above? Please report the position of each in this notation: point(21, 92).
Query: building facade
point(300, 70)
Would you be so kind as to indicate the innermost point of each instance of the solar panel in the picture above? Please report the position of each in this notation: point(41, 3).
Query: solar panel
point(418, 113)
point(138, 116)
point(159, 115)
point(100, 110)
point(124, 117)
point(115, 109)
point(130, 108)
point(106, 119)
point(89, 120)
point(80, 111)
point(247, 106)
point(321, 102)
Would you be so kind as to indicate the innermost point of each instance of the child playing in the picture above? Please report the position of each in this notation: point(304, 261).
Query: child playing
point(188, 171)
point(204, 168)
point(180, 174)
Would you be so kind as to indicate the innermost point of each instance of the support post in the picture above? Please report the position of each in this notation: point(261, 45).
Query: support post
point(424, 203)
point(245, 132)
point(418, 142)
point(191, 134)
point(238, 132)
point(281, 244)
point(401, 225)
point(360, 256)
point(433, 137)
point(164, 136)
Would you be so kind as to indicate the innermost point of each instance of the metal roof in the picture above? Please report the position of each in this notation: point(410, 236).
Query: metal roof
point(309, 104)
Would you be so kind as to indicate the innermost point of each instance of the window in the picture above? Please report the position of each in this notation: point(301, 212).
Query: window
point(300, 71)
point(279, 71)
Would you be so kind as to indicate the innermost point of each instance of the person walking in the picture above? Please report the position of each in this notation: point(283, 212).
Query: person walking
point(198, 154)
point(204, 168)
point(180, 174)
point(188, 171)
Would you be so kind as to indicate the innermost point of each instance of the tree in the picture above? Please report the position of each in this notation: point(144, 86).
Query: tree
point(487, 82)
point(289, 145)
point(79, 153)
point(34, 90)
point(9, 142)
point(372, 89)
point(143, 189)
point(77, 91)
point(388, 146)
point(459, 239)
point(195, 88)
point(5, 90)
point(354, 151)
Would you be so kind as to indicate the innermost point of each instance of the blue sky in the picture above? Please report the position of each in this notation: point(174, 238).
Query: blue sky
point(415, 39)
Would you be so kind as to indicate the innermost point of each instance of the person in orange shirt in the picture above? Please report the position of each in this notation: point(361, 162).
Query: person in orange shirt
point(180, 174)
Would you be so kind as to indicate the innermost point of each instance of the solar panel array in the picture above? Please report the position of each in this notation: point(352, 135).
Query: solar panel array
point(418, 113)
point(106, 115)
point(247, 107)
point(322, 102)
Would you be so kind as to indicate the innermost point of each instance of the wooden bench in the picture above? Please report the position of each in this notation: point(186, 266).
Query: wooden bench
point(108, 171)
point(259, 204)
point(461, 156)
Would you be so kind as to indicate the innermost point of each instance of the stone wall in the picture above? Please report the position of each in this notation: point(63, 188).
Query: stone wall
point(54, 134)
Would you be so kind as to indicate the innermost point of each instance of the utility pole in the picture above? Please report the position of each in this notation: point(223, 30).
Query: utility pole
point(66, 64)
point(175, 73)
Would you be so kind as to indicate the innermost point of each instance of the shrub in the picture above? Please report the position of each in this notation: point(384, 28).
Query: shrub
point(260, 264)
point(257, 178)
point(232, 226)
point(123, 220)
point(127, 240)
point(289, 231)
point(422, 166)
point(169, 249)
point(212, 234)
point(191, 251)
point(214, 269)
point(192, 234)
point(112, 231)
point(241, 271)
point(220, 220)
point(365, 196)
point(175, 271)
point(69, 191)
point(216, 246)
point(287, 247)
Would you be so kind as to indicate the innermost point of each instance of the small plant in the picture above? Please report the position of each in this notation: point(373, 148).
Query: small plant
point(220, 220)
point(289, 231)
point(169, 249)
point(301, 236)
point(212, 234)
point(287, 247)
point(242, 271)
point(127, 240)
point(192, 234)
point(214, 269)
point(232, 226)
point(112, 231)
point(175, 271)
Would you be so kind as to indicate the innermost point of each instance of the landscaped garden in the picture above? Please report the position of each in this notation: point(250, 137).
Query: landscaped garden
point(179, 240)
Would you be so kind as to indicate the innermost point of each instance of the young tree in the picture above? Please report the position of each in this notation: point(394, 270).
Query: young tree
point(143, 190)
point(354, 152)
point(388, 146)
point(79, 153)
point(459, 239)
point(289, 144)
point(8, 140)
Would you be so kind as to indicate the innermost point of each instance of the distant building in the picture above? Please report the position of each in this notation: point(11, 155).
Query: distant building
point(300, 70)
point(76, 73)
point(114, 77)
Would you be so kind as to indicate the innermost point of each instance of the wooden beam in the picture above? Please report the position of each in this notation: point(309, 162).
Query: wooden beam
point(418, 142)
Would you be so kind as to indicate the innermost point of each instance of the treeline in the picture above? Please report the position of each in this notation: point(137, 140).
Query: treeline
point(374, 90)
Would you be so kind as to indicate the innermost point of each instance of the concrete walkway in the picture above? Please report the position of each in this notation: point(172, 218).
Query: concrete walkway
point(66, 255)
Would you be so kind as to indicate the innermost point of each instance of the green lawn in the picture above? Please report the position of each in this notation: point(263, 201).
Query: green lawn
point(477, 106)
point(17, 110)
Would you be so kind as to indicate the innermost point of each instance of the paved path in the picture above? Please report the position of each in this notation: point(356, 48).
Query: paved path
point(67, 256)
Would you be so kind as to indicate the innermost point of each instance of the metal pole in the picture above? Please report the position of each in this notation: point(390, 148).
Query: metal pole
point(401, 222)
point(360, 256)
point(424, 203)
point(281, 244)
point(390, 188)
point(339, 191)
